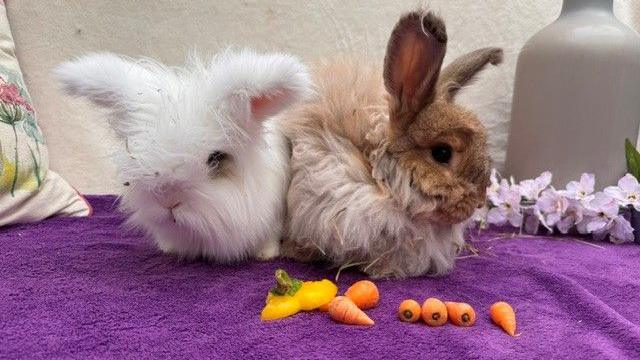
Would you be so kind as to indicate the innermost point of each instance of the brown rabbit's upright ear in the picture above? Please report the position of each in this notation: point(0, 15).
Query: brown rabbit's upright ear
point(414, 56)
point(464, 69)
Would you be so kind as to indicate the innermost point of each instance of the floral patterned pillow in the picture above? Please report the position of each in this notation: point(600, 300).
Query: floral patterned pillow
point(28, 190)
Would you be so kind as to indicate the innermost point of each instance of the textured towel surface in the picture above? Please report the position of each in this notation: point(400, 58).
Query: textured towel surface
point(84, 288)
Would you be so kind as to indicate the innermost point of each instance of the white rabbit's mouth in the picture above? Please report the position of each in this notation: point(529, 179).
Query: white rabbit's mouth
point(164, 208)
point(172, 211)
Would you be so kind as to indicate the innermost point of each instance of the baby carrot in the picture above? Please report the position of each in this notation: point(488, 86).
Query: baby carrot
point(409, 311)
point(434, 312)
point(502, 314)
point(344, 310)
point(460, 314)
point(364, 294)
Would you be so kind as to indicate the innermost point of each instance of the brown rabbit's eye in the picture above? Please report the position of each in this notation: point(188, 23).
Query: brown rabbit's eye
point(215, 158)
point(442, 153)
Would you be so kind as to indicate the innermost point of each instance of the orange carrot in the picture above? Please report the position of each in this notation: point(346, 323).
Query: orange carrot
point(502, 314)
point(434, 312)
point(344, 310)
point(461, 314)
point(409, 311)
point(364, 294)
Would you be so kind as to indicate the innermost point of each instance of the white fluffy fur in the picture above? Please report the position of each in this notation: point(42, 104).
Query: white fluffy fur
point(171, 119)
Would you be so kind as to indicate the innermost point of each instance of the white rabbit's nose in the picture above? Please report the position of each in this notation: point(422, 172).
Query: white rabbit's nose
point(168, 197)
point(169, 203)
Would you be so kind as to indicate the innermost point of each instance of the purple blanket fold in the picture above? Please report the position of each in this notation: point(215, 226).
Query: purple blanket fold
point(86, 288)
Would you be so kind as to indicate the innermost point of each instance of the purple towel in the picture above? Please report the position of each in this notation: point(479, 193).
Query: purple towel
point(85, 288)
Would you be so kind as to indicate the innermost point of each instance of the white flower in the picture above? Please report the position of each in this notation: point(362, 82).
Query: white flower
point(553, 206)
point(534, 202)
point(532, 220)
point(599, 212)
point(621, 231)
point(480, 214)
point(582, 190)
point(627, 192)
point(601, 218)
point(531, 189)
point(494, 185)
point(507, 206)
point(479, 218)
point(572, 216)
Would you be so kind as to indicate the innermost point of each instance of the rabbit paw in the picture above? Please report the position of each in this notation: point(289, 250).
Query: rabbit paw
point(166, 247)
point(269, 250)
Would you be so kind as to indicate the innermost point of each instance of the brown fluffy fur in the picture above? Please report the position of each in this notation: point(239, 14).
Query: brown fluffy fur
point(365, 187)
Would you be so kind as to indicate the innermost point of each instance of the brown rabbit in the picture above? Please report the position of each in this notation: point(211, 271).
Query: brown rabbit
point(382, 179)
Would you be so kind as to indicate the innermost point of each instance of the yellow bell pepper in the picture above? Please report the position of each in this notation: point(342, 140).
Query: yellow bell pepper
point(291, 295)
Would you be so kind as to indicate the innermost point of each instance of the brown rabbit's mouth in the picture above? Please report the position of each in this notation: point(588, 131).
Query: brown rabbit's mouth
point(450, 213)
point(450, 210)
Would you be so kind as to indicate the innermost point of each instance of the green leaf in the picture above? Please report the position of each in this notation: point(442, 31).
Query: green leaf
point(633, 159)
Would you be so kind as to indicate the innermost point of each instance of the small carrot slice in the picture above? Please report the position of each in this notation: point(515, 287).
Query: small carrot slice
point(460, 314)
point(434, 312)
point(502, 314)
point(364, 294)
point(409, 310)
point(344, 310)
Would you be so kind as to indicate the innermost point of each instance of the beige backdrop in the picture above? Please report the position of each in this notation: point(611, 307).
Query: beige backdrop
point(49, 32)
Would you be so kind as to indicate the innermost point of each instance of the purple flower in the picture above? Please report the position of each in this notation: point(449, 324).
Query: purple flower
point(580, 190)
point(627, 192)
point(621, 231)
point(530, 189)
point(598, 212)
point(532, 220)
point(533, 202)
point(506, 200)
point(553, 206)
point(601, 218)
point(572, 216)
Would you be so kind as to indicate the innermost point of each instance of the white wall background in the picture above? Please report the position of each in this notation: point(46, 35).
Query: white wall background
point(49, 32)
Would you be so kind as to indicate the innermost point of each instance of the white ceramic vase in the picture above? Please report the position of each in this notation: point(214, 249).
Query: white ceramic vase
point(576, 97)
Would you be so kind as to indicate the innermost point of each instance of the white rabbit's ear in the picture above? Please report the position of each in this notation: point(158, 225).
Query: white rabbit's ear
point(105, 79)
point(261, 86)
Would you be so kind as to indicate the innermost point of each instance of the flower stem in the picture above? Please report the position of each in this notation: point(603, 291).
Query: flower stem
point(15, 172)
point(1, 160)
point(36, 166)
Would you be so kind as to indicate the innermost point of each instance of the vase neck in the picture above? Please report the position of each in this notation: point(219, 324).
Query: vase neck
point(572, 6)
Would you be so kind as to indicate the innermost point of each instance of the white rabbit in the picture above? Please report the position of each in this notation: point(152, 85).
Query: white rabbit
point(206, 166)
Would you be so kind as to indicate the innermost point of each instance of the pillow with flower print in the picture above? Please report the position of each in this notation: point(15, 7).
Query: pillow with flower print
point(29, 192)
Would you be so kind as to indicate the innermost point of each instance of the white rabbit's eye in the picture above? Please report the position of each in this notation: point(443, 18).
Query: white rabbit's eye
point(442, 153)
point(215, 158)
